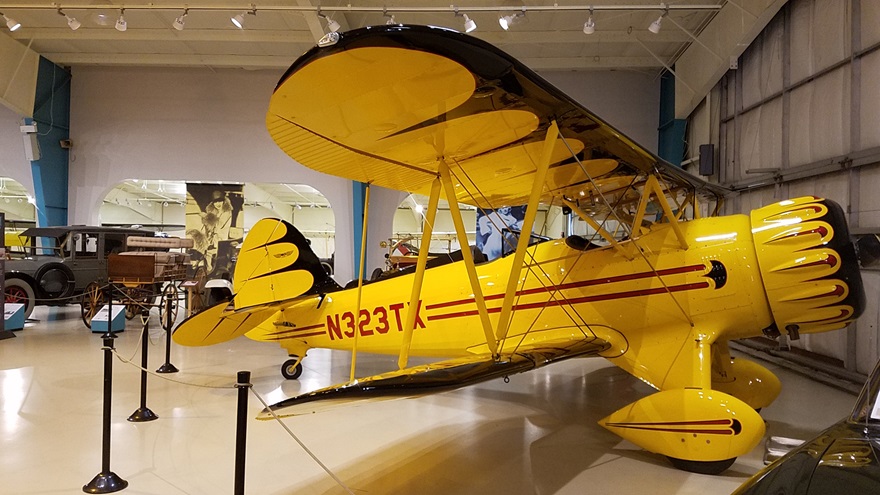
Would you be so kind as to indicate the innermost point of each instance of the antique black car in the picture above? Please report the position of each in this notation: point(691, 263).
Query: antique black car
point(53, 265)
point(842, 459)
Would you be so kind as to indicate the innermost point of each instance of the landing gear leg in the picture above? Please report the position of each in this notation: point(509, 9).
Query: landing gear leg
point(292, 368)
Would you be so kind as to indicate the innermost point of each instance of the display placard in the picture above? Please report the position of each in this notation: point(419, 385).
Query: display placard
point(117, 323)
point(13, 316)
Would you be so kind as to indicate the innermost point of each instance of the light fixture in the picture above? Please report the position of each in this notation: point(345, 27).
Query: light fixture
point(590, 24)
point(655, 26)
point(469, 24)
point(508, 20)
point(121, 25)
point(332, 25)
point(71, 21)
point(11, 23)
point(238, 19)
point(390, 21)
point(179, 22)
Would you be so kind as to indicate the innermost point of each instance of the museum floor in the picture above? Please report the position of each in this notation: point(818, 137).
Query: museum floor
point(534, 435)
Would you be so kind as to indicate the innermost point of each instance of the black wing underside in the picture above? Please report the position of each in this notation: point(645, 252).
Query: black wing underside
point(435, 377)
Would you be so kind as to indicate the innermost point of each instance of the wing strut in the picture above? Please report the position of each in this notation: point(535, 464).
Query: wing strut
point(468, 257)
point(360, 276)
point(598, 228)
point(652, 186)
point(419, 276)
point(524, 236)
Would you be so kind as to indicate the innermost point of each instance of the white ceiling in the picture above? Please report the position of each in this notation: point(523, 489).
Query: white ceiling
point(548, 38)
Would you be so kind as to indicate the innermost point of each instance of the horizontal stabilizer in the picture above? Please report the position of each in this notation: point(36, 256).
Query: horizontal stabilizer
point(433, 378)
point(220, 323)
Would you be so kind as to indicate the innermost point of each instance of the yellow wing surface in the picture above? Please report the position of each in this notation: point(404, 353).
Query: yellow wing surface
point(387, 104)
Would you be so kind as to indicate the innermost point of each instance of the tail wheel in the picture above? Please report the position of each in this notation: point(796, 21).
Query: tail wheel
point(168, 306)
point(20, 292)
point(702, 467)
point(92, 302)
point(292, 369)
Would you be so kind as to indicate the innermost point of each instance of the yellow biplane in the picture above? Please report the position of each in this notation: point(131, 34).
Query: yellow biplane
point(659, 290)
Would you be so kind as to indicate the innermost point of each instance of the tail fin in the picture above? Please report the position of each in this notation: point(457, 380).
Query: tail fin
point(276, 263)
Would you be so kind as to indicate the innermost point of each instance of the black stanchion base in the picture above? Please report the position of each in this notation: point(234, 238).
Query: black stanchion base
point(6, 334)
point(105, 483)
point(142, 414)
point(167, 368)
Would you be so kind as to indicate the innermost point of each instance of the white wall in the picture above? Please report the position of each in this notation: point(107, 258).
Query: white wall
point(182, 124)
point(12, 160)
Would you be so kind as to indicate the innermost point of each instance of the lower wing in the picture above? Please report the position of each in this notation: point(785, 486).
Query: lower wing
point(435, 377)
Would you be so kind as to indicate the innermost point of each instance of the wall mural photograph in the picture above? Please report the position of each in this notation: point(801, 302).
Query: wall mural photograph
point(215, 223)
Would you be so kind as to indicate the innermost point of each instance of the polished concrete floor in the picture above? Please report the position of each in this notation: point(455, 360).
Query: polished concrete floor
point(536, 434)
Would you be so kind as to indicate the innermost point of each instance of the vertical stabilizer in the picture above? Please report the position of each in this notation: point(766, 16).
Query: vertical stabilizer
point(276, 263)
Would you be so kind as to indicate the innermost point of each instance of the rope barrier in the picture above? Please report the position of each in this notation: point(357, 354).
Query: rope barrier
point(302, 445)
point(235, 386)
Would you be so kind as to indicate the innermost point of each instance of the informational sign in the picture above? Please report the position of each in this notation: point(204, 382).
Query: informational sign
point(13, 316)
point(875, 412)
point(117, 323)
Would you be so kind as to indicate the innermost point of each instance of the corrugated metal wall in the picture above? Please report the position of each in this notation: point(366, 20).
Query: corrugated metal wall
point(801, 116)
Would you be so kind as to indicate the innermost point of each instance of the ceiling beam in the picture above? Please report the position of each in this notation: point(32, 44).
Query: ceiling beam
point(286, 36)
point(283, 62)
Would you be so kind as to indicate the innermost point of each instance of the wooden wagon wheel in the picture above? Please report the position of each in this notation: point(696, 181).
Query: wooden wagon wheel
point(92, 301)
point(168, 306)
point(197, 293)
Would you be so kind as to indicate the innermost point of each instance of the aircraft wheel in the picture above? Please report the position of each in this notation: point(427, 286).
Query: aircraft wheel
point(291, 370)
point(702, 467)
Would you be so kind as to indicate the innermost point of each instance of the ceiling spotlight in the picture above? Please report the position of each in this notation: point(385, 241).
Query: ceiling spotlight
point(469, 24)
point(508, 20)
point(11, 23)
point(238, 20)
point(655, 26)
point(178, 23)
point(121, 25)
point(332, 25)
point(590, 25)
point(390, 20)
point(71, 21)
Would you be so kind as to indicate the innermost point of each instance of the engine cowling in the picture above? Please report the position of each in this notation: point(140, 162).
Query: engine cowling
point(808, 264)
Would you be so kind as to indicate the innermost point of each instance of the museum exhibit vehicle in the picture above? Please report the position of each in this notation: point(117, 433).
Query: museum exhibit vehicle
point(54, 265)
point(844, 458)
point(146, 270)
point(659, 289)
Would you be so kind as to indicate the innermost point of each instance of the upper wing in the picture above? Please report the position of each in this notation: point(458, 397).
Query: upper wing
point(386, 104)
point(436, 377)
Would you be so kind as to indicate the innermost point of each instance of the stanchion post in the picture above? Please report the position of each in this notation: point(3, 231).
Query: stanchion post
point(144, 413)
point(244, 379)
point(106, 481)
point(167, 325)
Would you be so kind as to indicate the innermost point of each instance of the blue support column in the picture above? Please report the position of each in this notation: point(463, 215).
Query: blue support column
point(359, 191)
point(671, 131)
point(52, 116)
